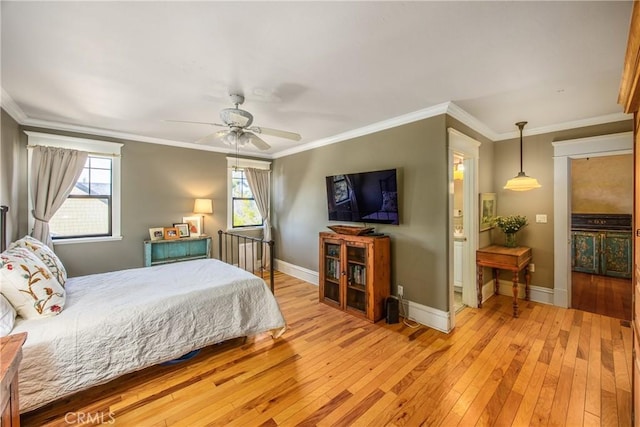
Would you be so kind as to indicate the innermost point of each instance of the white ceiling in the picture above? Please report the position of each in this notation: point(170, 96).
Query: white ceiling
point(322, 69)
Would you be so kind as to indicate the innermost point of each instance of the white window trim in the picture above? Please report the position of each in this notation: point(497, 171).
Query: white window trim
point(93, 146)
point(237, 162)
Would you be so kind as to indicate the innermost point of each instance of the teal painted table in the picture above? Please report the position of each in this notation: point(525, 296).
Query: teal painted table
point(167, 251)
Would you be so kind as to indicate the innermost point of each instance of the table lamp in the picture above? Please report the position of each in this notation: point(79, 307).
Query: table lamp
point(203, 206)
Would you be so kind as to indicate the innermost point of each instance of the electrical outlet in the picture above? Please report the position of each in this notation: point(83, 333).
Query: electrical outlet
point(532, 267)
point(400, 290)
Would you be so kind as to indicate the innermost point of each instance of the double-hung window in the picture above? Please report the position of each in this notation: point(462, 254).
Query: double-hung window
point(242, 208)
point(92, 211)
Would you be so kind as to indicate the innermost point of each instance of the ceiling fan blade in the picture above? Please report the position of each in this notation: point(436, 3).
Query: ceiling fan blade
point(213, 137)
point(197, 123)
point(276, 132)
point(258, 142)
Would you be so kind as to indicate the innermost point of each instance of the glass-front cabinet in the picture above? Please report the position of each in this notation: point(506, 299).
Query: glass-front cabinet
point(332, 273)
point(356, 277)
point(355, 274)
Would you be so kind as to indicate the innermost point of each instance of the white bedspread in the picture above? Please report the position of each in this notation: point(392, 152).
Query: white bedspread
point(119, 322)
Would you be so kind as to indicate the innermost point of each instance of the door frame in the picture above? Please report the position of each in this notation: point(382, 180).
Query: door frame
point(469, 149)
point(563, 152)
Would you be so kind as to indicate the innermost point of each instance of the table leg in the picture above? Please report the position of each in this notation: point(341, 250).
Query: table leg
point(479, 272)
point(527, 277)
point(515, 294)
point(496, 284)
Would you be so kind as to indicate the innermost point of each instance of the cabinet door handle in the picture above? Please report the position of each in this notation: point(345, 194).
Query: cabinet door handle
point(638, 232)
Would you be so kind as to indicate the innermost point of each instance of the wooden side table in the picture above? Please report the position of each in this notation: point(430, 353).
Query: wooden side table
point(503, 258)
point(10, 357)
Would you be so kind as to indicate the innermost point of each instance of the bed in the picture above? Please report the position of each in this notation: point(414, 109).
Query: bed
point(123, 321)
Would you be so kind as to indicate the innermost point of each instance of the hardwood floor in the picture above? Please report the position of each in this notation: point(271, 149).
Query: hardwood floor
point(551, 366)
point(609, 296)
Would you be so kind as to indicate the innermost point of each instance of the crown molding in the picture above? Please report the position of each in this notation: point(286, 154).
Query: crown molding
point(592, 121)
point(450, 108)
point(9, 105)
point(425, 113)
point(467, 119)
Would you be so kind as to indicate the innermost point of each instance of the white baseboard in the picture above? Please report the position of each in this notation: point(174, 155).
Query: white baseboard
point(561, 298)
point(298, 272)
point(427, 316)
point(505, 287)
point(422, 314)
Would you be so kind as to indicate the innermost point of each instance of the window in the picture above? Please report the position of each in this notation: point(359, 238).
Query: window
point(243, 211)
point(89, 200)
point(92, 210)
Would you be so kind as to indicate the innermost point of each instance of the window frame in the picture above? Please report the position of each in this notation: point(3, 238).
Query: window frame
point(240, 163)
point(96, 148)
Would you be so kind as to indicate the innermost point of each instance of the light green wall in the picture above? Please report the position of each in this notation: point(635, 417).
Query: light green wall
point(419, 244)
point(537, 162)
point(13, 176)
point(159, 185)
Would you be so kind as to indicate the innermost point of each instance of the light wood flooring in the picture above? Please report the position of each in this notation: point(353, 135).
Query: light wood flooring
point(551, 366)
point(609, 296)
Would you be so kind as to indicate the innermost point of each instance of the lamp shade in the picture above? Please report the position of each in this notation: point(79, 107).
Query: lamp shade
point(203, 206)
point(522, 182)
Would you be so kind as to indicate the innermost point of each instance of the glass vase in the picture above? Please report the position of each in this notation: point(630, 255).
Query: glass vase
point(510, 240)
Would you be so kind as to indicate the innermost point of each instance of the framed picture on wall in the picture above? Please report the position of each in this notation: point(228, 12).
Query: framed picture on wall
point(195, 225)
point(487, 210)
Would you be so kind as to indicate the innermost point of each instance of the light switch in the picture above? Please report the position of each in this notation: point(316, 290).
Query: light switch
point(541, 218)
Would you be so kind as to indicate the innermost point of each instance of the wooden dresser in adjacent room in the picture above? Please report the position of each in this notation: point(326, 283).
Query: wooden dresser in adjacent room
point(601, 244)
point(10, 357)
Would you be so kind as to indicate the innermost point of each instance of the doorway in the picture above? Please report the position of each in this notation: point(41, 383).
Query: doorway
point(563, 153)
point(463, 224)
point(458, 231)
point(601, 209)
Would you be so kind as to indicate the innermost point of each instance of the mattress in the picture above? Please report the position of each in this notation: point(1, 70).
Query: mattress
point(119, 322)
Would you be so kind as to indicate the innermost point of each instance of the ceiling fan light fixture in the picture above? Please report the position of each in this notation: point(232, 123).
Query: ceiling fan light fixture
point(521, 182)
point(236, 117)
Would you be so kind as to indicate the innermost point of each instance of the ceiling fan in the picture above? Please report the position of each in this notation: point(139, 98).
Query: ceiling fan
point(240, 132)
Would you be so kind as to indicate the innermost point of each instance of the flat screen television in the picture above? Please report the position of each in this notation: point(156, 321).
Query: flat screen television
point(369, 197)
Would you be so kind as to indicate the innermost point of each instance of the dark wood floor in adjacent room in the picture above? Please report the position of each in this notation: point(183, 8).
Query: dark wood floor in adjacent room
point(609, 296)
point(550, 366)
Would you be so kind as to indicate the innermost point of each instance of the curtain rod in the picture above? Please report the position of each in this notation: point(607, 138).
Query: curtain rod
point(88, 152)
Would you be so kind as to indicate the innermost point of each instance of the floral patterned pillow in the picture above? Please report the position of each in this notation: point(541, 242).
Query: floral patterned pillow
point(45, 253)
point(29, 285)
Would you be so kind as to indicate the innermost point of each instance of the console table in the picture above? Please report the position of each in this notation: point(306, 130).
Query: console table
point(166, 251)
point(503, 258)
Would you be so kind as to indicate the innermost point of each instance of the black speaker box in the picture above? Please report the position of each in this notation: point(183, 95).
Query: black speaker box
point(393, 310)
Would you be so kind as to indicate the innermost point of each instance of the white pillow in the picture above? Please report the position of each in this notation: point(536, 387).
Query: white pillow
point(45, 253)
point(7, 317)
point(28, 285)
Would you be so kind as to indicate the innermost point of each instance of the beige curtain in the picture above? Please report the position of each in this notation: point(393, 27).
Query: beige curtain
point(259, 182)
point(54, 172)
